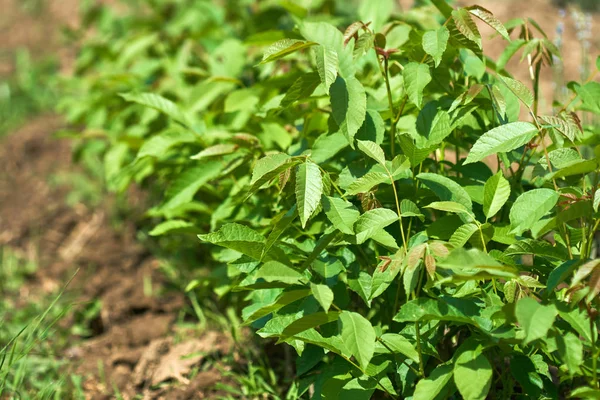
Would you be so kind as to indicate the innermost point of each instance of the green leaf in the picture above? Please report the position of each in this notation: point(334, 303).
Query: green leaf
point(462, 235)
point(308, 322)
point(566, 127)
point(525, 372)
point(327, 62)
point(282, 48)
point(302, 88)
point(282, 300)
point(372, 150)
point(590, 96)
point(501, 139)
point(342, 214)
point(274, 271)
point(448, 206)
point(489, 18)
point(472, 372)
point(410, 209)
point(173, 226)
point(159, 103)
point(519, 90)
point(430, 387)
point(269, 167)
point(534, 318)
point(348, 105)
point(435, 42)
point(570, 349)
point(596, 203)
point(281, 224)
point(446, 189)
point(358, 336)
point(539, 248)
point(366, 182)
point(158, 145)
point(530, 207)
point(377, 13)
point(330, 37)
point(309, 188)
point(426, 309)
point(372, 221)
point(509, 52)
point(476, 264)
point(465, 25)
point(323, 294)
point(416, 77)
point(216, 150)
point(237, 237)
point(398, 344)
point(587, 393)
point(495, 194)
point(185, 186)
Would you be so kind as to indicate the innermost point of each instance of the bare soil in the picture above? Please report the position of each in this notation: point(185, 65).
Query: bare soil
point(133, 336)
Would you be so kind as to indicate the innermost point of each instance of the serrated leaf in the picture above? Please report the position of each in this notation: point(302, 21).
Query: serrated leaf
point(216, 150)
point(570, 349)
point(446, 189)
point(539, 248)
point(282, 48)
point(309, 188)
point(372, 150)
point(239, 238)
point(519, 90)
point(159, 103)
point(308, 322)
point(568, 130)
point(465, 25)
point(358, 336)
point(429, 388)
point(274, 271)
point(495, 194)
point(530, 207)
point(185, 186)
point(159, 145)
point(280, 227)
point(398, 344)
point(534, 318)
point(173, 226)
point(475, 264)
point(342, 214)
point(366, 182)
point(410, 209)
point(448, 206)
point(372, 221)
point(302, 88)
point(462, 235)
point(323, 294)
point(348, 105)
point(472, 372)
point(269, 167)
point(434, 43)
point(327, 65)
point(489, 18)
point(509, 52)
point(416, 77)
point(330, 37)
point(503, 138)
point(425, 309)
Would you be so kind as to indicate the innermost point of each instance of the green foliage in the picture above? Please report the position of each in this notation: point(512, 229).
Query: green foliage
point(376, 195)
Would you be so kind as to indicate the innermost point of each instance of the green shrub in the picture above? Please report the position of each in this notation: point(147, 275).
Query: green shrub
point(392, 204)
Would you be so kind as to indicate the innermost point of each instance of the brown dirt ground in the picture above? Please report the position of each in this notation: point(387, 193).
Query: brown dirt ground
point(133, 336)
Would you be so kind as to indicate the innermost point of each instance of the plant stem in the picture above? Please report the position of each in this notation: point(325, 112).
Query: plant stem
point(594, 355)
point(419, 350)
